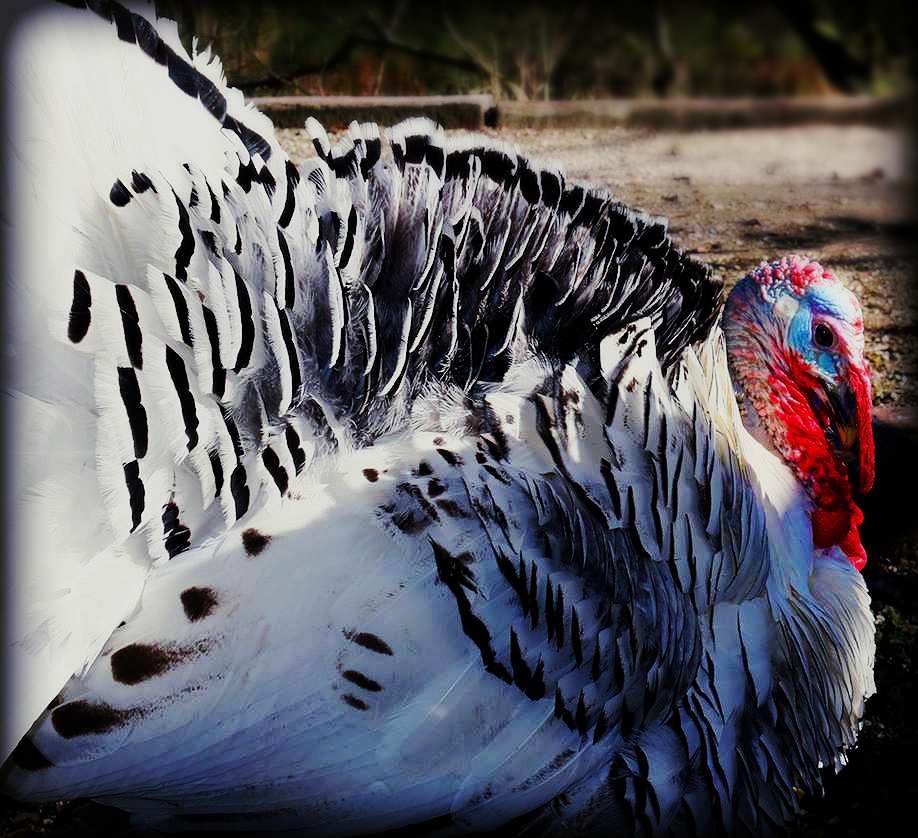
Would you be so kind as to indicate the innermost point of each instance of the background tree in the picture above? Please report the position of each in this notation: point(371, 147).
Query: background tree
point(553, 50)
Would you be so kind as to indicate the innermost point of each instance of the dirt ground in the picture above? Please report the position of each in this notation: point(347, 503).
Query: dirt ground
point(843, 195)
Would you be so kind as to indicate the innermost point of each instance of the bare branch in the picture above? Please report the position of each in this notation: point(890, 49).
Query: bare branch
point(350, 43)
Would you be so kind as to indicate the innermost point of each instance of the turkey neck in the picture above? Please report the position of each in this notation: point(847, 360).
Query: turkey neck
point(773, 386)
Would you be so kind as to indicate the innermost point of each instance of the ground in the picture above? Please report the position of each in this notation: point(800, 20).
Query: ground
point(844, 196)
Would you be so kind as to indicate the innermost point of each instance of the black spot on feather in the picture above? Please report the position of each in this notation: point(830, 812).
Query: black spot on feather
point(212, 99)
point(130, 325)
point(498, 166)
point(136, 413)
point(177, 535)
point(289, 286)
point(217, 468)
point(522, 674)
point(182, 74)
point(255, 542)
point(214, 206)
point(409, 519)
point(536, 689)
point(81, 718)
point(179, 375)
point(533, 593)
point(136, 492)
point(198, 603)
point(499, 474)
point(210, 241)
point(239, 490)
point(371, 474)
point(551, 189)
point(571, 200)
point(293, 356)
point(435, 157)
point(451, 508)
point(253, 141)
point(246, 175)
point(275, 469)
point(529, 185)
point(559, 702)
point(369, 641)
point(80, 315)
point(233, 432)
point(559, 617)
point(219, 372)
point(457, 165)
point(454, 571)
point(605, 469)
point(149, 41)
point(371, 155)
point(27, 756)
point(267, 181)
point(494, 437)
point(361, 680)
point(181, 308)
point(140, 182)
point(141, 661)
point(295, 449)
point(119, 194)
point(353, 701)
point(293, 178)
point(415, 148)
point(581, 720)
point(349, 237)
point(186, 248)
point(450, 456)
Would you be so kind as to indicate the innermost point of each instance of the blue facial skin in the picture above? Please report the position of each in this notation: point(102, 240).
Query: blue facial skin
point(820, 332)
point(813, 331)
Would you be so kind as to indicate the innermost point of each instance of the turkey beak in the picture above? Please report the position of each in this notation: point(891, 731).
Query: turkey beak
point(851, 405)
point(844, 415)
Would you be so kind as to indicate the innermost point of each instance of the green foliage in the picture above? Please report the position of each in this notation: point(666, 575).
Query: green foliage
point(900, 637)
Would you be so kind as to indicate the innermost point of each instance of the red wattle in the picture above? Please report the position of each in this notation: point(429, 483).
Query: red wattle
point(836, 517)
point(830, 526)
point(854, 550)
point(839, 526)
point(860, 383)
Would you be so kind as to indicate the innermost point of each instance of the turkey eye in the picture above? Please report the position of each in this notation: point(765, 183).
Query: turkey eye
point(823, 336)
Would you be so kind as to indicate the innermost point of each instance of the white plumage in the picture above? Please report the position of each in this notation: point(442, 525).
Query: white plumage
point(404, 487)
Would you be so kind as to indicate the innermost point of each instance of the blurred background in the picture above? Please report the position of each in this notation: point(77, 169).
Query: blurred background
point(584, 49)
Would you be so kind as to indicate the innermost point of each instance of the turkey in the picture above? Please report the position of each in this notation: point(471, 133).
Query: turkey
point(408, 486)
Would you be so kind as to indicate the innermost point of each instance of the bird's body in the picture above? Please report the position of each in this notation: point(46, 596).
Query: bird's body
point(405, 487)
